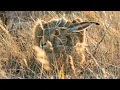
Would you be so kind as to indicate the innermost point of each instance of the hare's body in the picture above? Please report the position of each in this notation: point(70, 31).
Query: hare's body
point(60, 38)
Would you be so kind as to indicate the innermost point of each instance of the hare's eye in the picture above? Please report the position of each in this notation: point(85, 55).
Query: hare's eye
point(56, 32)
point(74, 21)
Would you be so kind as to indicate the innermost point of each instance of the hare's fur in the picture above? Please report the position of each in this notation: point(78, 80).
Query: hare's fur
point(62, 42)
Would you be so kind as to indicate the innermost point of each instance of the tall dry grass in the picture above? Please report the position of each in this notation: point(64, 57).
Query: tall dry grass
point(17, 58)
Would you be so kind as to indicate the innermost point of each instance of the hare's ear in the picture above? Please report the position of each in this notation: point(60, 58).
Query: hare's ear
point(44, 24)
point(82, 26)
point(61, 22)
point(56, 32)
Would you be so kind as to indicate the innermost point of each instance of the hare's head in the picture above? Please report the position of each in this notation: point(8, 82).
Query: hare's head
point(58, 32)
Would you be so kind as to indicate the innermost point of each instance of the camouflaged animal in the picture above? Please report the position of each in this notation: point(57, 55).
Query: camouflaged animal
point(61, 37)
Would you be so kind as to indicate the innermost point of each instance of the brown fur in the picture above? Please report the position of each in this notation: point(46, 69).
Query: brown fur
point(63, 41)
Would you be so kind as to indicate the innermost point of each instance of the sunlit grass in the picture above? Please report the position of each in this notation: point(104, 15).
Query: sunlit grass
point(18, 60)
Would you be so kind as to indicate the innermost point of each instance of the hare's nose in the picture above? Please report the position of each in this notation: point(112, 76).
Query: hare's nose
point(43, 44)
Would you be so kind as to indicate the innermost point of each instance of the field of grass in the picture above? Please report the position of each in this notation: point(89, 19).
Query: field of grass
point(17, 58)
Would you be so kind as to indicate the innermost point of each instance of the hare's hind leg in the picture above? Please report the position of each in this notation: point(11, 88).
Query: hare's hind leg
point(80, 49)
point(82, 56)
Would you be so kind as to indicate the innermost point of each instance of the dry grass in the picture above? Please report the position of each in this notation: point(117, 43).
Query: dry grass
point(18, 59)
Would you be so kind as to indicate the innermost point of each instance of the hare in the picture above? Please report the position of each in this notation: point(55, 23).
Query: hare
point(60, 37)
